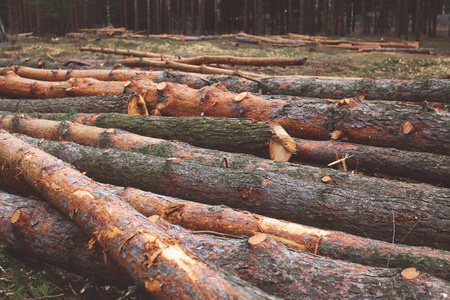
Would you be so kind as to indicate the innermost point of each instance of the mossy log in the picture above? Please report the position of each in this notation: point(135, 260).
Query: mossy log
point(407, 127)
point(132, 240)
point(225, 134)
point(431, 90)
point(420, 166)
point(36, 230)
point(88, 104)
point(369, 208)
point(246, 258)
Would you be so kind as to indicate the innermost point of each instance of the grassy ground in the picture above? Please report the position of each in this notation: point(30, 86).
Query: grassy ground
point(19, 280)
point(322, 61)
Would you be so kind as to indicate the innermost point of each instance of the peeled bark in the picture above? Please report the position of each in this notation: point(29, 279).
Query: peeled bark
point(133, 241)
point(88, 104)
point(238, 256)
point(421, 166)
point(35, 229)
point(407, 127)
point(225, 134)
point(419, 211)
point(431, 90)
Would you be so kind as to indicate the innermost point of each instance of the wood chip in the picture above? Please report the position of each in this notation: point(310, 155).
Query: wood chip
point(257, 239)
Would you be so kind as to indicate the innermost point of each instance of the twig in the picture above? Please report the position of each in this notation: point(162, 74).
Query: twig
point(217, 233)
point(393, 235)
point(340, 160)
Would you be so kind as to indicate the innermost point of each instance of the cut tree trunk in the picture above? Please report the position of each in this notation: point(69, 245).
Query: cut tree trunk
point(127, 52)
point(122, 103)
point(133, 241)
point(246, 258)
point(402, 50)
point(225, 134)
point(168, 64)
point(35, 229)
point(407, 127)
point(418, 211)
point(196, 81)
point(16, 86)
point(260, 39)
point(421, 166)
point(206, 59)
point(431, 90)
point(333, 244)
point(306, 86)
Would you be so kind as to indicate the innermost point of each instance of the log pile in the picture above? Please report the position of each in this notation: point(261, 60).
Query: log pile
point(180, 221)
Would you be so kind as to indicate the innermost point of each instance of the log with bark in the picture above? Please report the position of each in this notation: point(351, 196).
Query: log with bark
point(36, 230)
point(253, 259)
point(168, 64)
point(407, 127)
point(206, 59)
point(187, 213)
point(421, 166)
point(132, 240)
point(225, 134)
point(366, 207)
point(16, 86)
point(402, 50)
point(306, 86)
point(122, 103)
point(244, 37)
point(425, 167)
point(431, 90)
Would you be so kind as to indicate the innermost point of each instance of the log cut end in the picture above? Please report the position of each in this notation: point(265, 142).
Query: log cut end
point(257, 239)
point(281, 145)
point(410, 273)
point(137, 106)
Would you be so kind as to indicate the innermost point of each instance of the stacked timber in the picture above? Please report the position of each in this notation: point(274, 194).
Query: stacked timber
point(175, 174)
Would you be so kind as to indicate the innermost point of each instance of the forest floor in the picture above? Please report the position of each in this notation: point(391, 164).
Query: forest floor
point(322, 61)
point(19, 280)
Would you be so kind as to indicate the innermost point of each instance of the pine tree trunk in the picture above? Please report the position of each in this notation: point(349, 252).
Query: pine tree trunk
point(352, 207)
point(132, 240)
point(24, 229)
point(252, 259)
point(92, 104)
point(378, 124)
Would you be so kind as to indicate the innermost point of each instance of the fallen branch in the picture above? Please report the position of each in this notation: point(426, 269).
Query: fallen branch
point(127, 52)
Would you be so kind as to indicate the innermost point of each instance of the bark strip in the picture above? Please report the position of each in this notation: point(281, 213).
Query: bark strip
point(419, 211)
point(131, 240)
